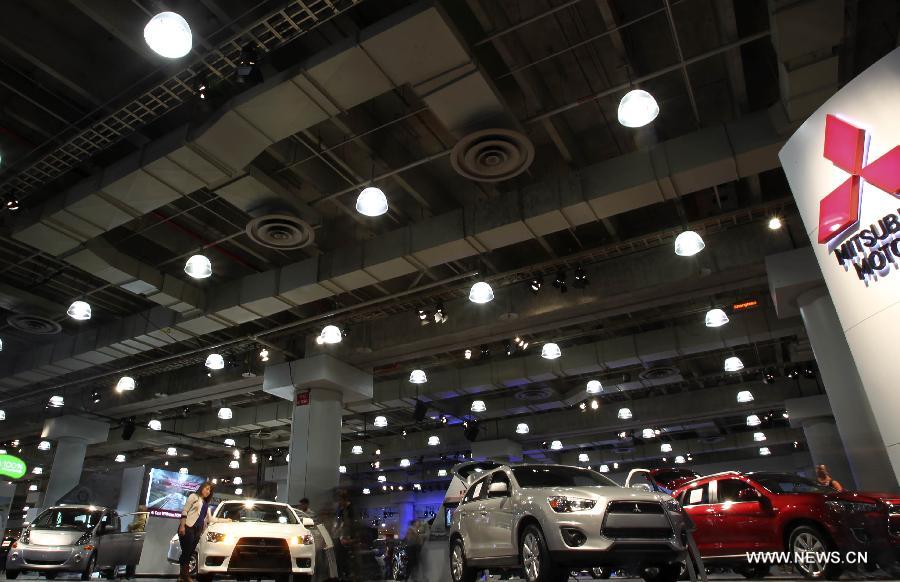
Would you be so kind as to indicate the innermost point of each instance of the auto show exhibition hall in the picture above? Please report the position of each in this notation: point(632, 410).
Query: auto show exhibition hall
point(421, 283)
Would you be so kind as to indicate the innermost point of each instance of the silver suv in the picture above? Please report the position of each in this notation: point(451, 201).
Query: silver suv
point(547, 520)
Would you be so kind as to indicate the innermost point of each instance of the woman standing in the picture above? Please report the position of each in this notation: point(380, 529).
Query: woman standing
point(194, 518)
point(824, 478)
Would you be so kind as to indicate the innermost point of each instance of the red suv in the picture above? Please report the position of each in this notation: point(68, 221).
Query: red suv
point(736, 513)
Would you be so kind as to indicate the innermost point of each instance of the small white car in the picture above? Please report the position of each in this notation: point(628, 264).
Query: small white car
point(264, 539)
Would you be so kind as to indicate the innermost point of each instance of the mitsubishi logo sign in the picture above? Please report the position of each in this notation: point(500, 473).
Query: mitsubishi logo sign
point(874, 248)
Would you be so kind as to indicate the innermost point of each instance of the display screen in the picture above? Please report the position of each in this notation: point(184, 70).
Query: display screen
point(168, 492)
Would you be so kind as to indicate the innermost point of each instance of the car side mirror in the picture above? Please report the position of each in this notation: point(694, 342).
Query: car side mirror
point(308, 522)
point(102, 529)
point(498, 490)
point(642, 487)
point(749, 494)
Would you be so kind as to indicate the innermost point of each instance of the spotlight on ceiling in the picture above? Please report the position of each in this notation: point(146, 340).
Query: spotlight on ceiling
point(264, 355)
point(11, 203)
point(792, 373)
point(580, 278)
point(733, 364)
point(637, 108)
point(467, 354)
point(509, 348)
point(481, 292)
point(716, 318)
point(744, 396)
point(535, 284)
point(79, 310)
point(688, 244)
point(559, 281)
point(215, 362)
point(371, 202)
point(380, 422)
point(484, 352)
point(440, 314)
point(247, 69)
point(775, 223)
point(594, 387)
point(201, 87)
point(169, 35)
point(550, 351)
point(96, 397)
point(198, 267)
point(522, 428)
point(808, 372)
point(768, 377)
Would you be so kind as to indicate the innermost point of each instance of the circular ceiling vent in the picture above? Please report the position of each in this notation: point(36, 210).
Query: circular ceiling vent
point(492, 155)
point(534, 393)
point(34, 324)
point(282, 232)
point(659, 373)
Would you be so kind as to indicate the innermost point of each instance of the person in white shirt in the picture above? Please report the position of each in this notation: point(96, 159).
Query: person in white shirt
point(195, 516)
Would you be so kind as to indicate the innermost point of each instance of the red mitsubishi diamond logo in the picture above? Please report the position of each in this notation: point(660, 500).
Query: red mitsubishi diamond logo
point(845, 146)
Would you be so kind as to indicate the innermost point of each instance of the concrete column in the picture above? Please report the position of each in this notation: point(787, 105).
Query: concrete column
point(826, 448)
point(317, 386)
point(72, 435)
point(850, 405)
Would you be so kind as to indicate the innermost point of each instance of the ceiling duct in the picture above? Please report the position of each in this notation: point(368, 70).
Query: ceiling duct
point(33, 324)
point(492, 155)
point(282, 232)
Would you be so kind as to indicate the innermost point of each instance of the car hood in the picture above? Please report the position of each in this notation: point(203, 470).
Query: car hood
point(600, 492)
point(259, 530)
point(50, 537)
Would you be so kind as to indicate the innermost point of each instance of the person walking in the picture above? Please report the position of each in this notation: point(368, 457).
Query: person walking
point(413, 541)
point(824, 478)
point(195, 516)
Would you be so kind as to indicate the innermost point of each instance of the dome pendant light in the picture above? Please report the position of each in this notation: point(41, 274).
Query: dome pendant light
point(759, 436)
point(434, 441)
point(716, 318)
point(225, 413)
point(331, 334)
point(733, 364)
point(550, 351)
point(556, 446)
point(753, 420)
point(744, 396)
point(79, 310)
point(418, 377)
point(522, 428)
point(481, 292)
point(356, 450)
point(215, 362)
point(380, 422)
point(125, 384)
point(624, 413)
point(198, 267)
point(594, 387)
point(637, 108)
point(371, 202)
point(665, 448)
point(169, 35)
point(478, 406)
point(688, 244)
point(154, 424)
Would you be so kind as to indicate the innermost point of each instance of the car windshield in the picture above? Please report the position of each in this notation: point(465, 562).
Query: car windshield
point(72, 518)
point(553, 476)
point(786, 483)
point(257, 512)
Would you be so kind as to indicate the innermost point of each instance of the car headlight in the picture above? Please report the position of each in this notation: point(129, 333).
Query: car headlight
point(26, 537)
point(562, 504)
point(672, 505)
point(306, 540)
point(83, 539)
point(852, 506)
point(216, 537)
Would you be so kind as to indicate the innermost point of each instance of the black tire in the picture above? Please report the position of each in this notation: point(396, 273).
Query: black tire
point(459, 570)
point(12, 574)
point(89, 567)
point(537, 565)
point(662, 572)
point(753, 571)
point(808, 538)
point(50, 575)
point(601, 572)
point(302, 578)
point(205, 577)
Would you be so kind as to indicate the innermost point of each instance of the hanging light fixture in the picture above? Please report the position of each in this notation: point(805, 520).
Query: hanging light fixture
point(371, 202)
point(688, 244)
point(637, 108)
point(594, 387)
point(404, 463)
point(583, 458)
point(342, 469)
point(125, 384)
point(32, 487)
point(744, 396)
point(648, 433)
point(442, 472)
point(467, 354)
point(481, 292)
point(679, 459)
point(604, 468)
point(183, 471)
point(38, 471)
point(665, 448)
point(357, 450)
point(120, 458)
point(522, 428)
point(57, 402)
point(79, 310)
point(234, 465)
point(154, 424)
point(215, 362)
point(775, 223)
point(550, 351)
point(434, 441)
point(624, 413)
point(172, 452)
point(2, 415)
point(264, 355)
point(764, 451)
point(1, 344)
point(230, 442)
point(478, 406)
point(733, 364)
point(169, 35)
point(753, 420)
point(225, 413)
point(759, 436)
point(418, 377)
point(380, 422)
point(716, 318)
point(198, 267)
point(331, 334)
point(44, 446)
point(556, 445)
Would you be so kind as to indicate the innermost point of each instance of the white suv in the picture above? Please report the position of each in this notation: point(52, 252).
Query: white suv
point(547, 520)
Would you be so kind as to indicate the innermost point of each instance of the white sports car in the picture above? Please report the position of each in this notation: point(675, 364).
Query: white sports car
point(263, 539)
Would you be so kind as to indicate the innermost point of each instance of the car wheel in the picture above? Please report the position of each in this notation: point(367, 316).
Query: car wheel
point(205, 577)
point(753, 571)
point(536, 562)
point(12, 574)
point(88, 571)
point(50, 575)
point(302, 578)
point(601, 573)
point(662, 572)
point(459, 571)
point(809, 539)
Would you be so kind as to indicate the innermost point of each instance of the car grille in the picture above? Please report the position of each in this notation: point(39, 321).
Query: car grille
point(45, 562)
point(262, 554)
point(650, 533)
point(646, 507)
